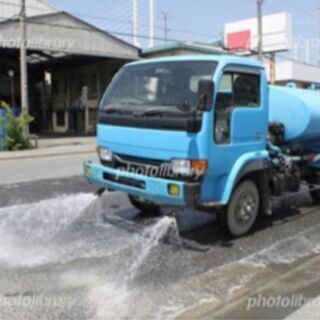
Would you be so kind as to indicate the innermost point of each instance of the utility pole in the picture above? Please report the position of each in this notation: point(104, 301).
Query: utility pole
point(23, 62)
point(151, 22)
point(135, 25)
point(272, 63)
point(318, 62)
point(165, 22)
point(260, 30)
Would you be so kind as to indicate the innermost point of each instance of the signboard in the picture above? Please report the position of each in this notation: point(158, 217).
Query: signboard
point(242, 36)
point(240, 40)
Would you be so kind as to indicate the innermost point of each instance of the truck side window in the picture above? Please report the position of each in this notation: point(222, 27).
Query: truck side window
point(246, 89)
point(224, 94)
point(236, 90)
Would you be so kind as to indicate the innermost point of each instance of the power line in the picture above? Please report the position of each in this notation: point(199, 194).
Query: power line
point(129, 21)
point(27, 6)
point(143, 24)
point(127, 34)
point(119, 9)
point(298, 10)
point(165, 26)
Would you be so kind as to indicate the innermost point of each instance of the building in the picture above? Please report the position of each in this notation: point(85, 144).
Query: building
point(301, 74)
point(183, 48)
point(70, 63)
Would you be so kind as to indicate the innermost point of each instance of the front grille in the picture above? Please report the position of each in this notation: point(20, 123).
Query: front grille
point(145, 167)
point(142, 166)
point(125, 180)
point(142, 161)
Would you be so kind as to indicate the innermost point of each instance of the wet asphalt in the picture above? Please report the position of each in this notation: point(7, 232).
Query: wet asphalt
point(105, 260)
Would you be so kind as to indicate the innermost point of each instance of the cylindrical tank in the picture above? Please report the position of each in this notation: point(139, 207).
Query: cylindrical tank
point(298, 110)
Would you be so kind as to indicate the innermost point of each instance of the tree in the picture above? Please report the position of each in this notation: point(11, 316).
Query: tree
point(16, 139)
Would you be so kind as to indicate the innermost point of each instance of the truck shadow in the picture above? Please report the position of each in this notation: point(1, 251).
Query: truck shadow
point(198, 230)
point(286, 213)
point(204, 230)
point(211, 234)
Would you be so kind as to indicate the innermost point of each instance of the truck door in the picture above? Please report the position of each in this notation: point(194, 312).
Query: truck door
point(240, 119)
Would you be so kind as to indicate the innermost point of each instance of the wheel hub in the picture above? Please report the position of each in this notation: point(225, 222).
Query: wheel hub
point(246, 208)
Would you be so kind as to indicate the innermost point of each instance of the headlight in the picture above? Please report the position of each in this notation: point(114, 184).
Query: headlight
point(181, 166)
point(189, 167)
point(105, 154)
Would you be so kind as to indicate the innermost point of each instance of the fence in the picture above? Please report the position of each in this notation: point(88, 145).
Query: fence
point(3, 130)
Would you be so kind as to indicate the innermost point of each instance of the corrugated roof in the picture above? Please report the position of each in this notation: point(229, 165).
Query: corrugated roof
point(11, 8)
point(63, 32)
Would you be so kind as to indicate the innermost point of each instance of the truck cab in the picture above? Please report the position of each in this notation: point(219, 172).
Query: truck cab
point(187, 131)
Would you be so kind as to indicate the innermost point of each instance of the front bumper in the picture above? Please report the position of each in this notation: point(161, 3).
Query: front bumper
point(153, 189)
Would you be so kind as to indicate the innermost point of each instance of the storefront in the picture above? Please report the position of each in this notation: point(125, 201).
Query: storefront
point(70, 63)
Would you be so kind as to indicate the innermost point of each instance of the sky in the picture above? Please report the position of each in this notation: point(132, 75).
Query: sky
point(199, 19)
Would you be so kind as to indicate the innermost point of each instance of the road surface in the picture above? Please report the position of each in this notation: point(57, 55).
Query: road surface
point(65, 253)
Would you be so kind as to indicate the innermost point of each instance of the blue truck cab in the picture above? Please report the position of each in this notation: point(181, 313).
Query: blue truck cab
point(193, 131)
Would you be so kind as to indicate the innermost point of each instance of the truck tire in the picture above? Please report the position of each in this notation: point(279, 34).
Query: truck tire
point(315, 195)
point(146, 207)
point(242, 210)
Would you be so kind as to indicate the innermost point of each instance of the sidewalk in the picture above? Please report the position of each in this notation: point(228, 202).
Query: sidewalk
point(278, 292)
point(310, 311)
point(54, 147)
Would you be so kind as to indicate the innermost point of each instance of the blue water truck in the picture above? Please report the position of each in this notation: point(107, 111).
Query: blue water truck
point(208, 133)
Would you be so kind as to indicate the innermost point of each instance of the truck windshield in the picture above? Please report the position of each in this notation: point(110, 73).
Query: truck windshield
point(154, 89)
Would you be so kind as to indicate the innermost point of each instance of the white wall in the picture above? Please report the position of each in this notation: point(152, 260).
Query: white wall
point(295, 71)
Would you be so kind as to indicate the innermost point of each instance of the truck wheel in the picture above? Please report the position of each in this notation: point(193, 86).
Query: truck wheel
point(315, 195)
point(145, 206)
point(242, 211)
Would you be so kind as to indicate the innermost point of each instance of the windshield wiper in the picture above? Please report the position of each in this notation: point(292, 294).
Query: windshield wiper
point(157, 111)
point(110, 110)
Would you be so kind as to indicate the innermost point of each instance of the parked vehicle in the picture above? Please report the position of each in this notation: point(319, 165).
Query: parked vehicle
point(206, 132)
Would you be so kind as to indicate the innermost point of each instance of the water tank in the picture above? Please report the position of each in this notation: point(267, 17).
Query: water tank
point(298, 110)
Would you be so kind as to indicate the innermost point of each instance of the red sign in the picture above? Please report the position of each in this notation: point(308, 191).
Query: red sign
point(240, 40)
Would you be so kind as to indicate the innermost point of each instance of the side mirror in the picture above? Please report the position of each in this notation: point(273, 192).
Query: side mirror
point(205, 94)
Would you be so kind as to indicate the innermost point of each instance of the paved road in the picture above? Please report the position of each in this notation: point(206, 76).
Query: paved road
point(64, 253)
point(25, 170)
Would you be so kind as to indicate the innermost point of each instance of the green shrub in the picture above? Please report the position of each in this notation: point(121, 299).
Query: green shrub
point(16, 126)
